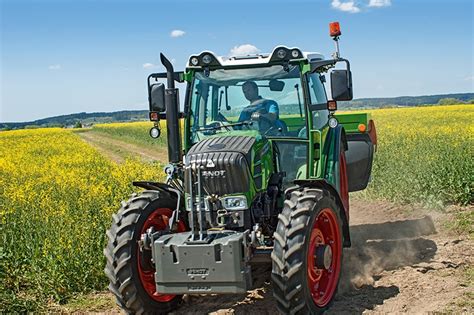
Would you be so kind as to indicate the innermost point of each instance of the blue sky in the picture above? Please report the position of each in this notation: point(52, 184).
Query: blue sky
point(60, 57)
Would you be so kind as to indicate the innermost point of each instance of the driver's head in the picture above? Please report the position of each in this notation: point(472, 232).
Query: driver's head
point(250, 90)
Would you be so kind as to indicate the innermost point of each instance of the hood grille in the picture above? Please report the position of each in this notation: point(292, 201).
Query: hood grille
point(224, 164)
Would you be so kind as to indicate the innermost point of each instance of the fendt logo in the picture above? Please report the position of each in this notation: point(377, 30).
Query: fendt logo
point(211, 164)
point(213, 173)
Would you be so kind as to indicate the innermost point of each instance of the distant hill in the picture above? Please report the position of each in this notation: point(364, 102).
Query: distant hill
point(405, 100)
point(82, 118)
point(72, 120)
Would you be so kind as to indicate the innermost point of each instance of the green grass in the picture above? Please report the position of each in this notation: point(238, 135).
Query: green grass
point(463, 223)
point(135, 132)
point(93, 302)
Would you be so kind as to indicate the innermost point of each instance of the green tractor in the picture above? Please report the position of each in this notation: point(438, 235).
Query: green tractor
point(260, 170)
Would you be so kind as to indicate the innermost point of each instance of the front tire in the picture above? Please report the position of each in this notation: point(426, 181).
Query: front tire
point(307, 252)
point(130, 270)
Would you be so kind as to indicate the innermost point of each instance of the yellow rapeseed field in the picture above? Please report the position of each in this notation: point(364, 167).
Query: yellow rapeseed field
point(425, 155)
point(57, 195)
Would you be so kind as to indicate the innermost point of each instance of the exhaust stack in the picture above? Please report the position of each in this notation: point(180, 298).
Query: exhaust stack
point(172, 118)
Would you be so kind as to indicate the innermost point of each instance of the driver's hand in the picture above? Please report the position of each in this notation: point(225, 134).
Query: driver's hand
point(256, 116)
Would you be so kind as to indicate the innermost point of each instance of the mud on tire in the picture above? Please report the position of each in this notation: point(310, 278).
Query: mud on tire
point(298, 233)
point(124, 260)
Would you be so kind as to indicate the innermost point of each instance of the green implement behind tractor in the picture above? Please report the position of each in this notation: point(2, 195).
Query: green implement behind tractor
point(260, 173)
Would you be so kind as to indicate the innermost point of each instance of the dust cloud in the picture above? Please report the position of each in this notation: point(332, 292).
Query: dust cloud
point(385, 246)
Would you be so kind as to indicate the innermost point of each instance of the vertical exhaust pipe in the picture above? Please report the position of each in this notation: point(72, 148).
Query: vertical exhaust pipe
point(172, 118)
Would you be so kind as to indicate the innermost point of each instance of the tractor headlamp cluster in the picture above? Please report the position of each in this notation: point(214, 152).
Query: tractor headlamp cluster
point(279, 54)
point(205, 59)
point(229, 203)
point(234, 203)
point(284, 53)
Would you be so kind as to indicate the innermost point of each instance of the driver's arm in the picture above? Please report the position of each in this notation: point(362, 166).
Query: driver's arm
point(245, 114)
point(272, 111)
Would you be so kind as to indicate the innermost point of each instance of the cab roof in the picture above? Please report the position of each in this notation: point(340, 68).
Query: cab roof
point(278, 55)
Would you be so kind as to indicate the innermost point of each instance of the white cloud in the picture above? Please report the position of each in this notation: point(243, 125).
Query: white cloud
point(469, 78)
point(380, 3)
point(244, 50)
point(177, 33)
point(348, 6)
point(55, 67)
point(148, 65)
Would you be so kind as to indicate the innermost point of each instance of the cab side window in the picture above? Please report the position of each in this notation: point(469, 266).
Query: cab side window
point(317, 95)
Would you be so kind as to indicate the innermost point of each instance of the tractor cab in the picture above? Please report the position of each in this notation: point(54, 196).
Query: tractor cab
point(262, 96)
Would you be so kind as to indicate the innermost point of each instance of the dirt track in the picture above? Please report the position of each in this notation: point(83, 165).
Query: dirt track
point(402, 259)
point(118, 150)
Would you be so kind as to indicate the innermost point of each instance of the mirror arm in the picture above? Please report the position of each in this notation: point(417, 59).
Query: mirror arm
point(178, 76)
point(315, 66)
point(329, 63)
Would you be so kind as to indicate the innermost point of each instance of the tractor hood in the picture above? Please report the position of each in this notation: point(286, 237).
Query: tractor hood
point(226, 163)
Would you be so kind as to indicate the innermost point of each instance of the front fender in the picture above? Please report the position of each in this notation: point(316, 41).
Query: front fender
point(323, 184)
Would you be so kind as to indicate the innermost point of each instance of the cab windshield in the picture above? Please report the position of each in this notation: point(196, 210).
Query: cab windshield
point(268, 100)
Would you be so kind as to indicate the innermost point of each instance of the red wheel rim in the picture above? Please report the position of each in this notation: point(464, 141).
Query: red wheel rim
point(159, 220)
point(325, 233)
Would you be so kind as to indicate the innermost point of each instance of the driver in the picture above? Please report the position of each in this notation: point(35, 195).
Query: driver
point(260, 109)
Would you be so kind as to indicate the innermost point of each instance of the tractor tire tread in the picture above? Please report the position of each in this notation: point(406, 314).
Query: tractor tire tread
point(118, 253)
point(289, 268)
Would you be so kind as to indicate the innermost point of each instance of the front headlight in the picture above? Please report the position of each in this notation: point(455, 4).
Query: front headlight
point(234, 203)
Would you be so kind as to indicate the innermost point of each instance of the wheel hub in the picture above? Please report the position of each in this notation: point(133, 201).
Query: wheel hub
point(323, 256)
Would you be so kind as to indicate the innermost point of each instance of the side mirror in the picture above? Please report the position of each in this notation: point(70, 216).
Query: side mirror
point(157, 98)
point(276, 85)
point(341, 85)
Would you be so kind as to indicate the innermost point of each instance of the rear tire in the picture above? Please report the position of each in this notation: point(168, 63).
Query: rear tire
point(130, 270)
point(307, 252)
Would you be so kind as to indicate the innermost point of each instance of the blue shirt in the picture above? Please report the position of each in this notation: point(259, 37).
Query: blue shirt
point(260, 105)
point(264, 106)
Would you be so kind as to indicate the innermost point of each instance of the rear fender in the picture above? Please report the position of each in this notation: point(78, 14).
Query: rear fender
point(361, 139)
point(359, 158)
